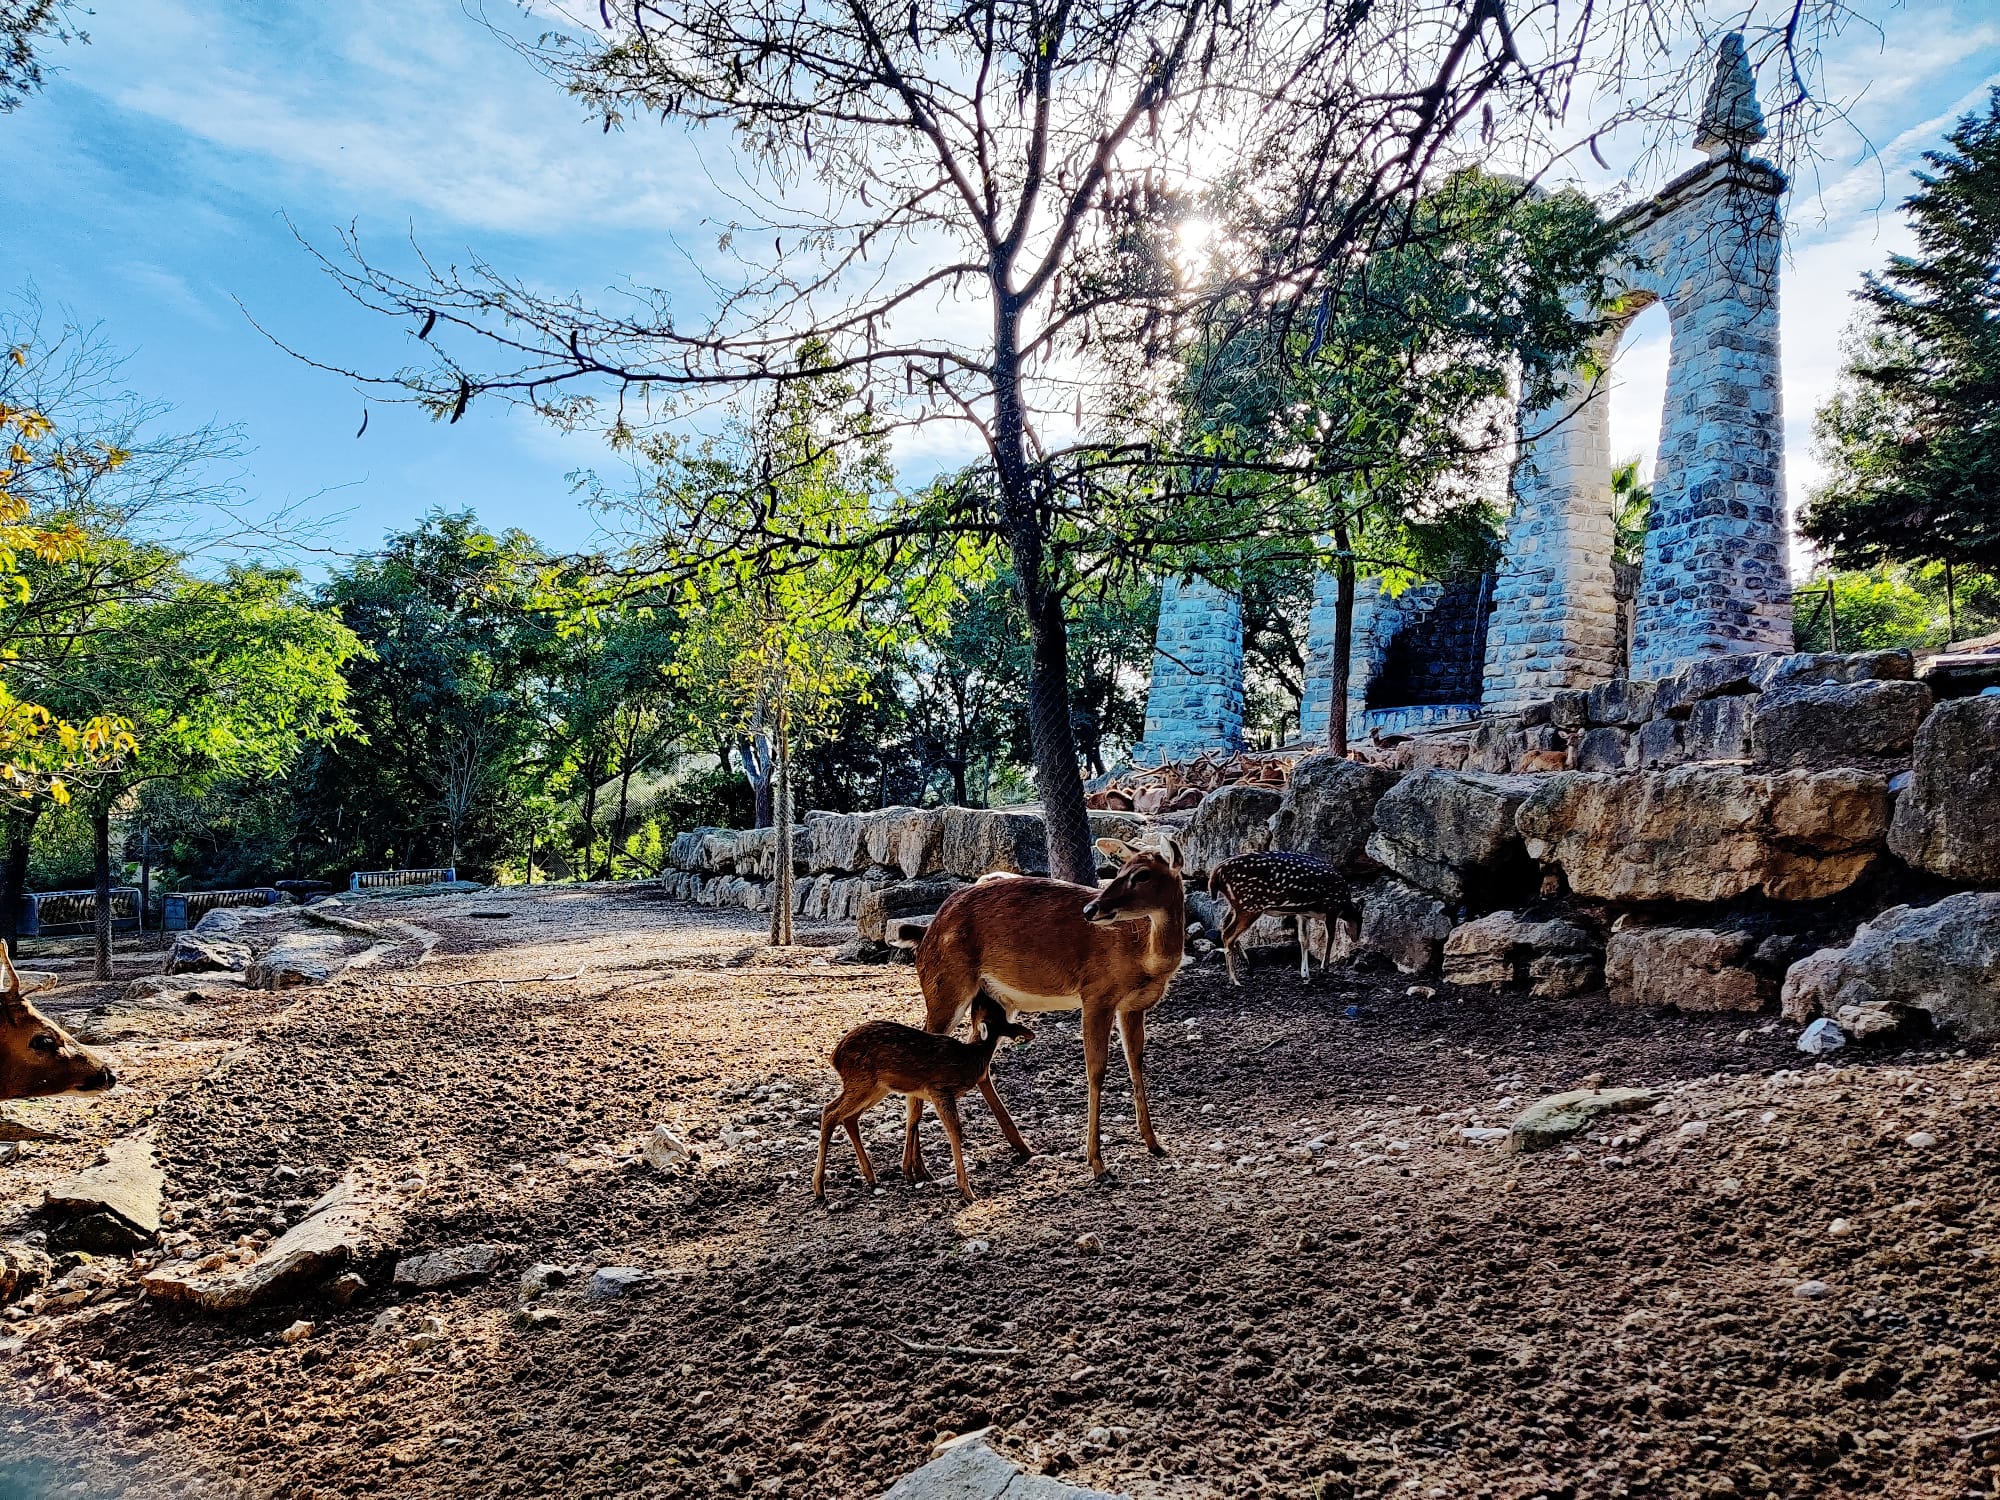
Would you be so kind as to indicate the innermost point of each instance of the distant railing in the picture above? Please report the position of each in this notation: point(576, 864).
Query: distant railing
point(46, 913)
point(183, 909)
point(376, 880)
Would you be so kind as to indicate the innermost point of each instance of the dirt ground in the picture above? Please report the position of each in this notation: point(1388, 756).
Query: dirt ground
point(1325, 1289)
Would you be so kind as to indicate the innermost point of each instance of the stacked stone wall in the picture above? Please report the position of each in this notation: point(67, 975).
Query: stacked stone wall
point(1195, 701)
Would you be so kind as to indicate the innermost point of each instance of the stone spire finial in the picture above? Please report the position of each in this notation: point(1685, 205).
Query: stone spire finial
point(1730, 120)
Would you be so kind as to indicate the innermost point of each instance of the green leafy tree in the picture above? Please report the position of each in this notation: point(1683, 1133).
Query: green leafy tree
point(1375, 435)
point(26, 29)
point(1631, 513)
point(1911, 439)
point(230, 677)
point(445, 698)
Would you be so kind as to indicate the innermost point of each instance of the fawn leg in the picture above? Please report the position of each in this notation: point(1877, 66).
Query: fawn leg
point(946, 1106)
point(825, 1135)
point(914, 1169)
point(1096, 1048)
point(1132, 1033)
point(853, 1124)
point(1006, 1121)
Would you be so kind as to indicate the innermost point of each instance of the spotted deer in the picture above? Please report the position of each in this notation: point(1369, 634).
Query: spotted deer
point(881, 1057)
point(1048, 945)
point(1277, 881)
point(37, 1056)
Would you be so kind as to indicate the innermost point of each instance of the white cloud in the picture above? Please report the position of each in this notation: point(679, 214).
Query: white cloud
point(382, 105)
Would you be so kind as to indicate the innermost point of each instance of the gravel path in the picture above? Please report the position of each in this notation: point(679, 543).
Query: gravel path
point(1327, 1289)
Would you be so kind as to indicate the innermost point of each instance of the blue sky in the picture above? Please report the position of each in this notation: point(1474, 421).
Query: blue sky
point(149, 189)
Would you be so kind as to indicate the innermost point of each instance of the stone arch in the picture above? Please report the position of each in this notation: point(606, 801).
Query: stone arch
point(1716, 575)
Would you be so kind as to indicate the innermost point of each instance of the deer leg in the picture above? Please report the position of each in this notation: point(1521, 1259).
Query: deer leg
point(1233, 927)
point(853, 1124)
point(1007, 1127)
point(947, 1112)
point(826, 1123)
point(1132, 1033)
point(1305, 948)
point(1096, 1048)
point(914, 1169)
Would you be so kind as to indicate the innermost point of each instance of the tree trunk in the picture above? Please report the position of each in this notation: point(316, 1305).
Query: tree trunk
point(100, 839)
point(781, 824)
point(624, 796)
point(14, 878)
point(957, 768)
point(1950, 606)
point(1343, 641)
point(1054, 742)
point(1051, 735)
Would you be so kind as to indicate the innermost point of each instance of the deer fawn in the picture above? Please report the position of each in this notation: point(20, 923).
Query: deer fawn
point(1045, 945)
point(1295, 884)
point(879, 1057)
point(37, 1056)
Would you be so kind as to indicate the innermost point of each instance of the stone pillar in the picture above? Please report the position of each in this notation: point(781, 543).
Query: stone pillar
point(1717, 571)
point(1195, 702)
point(1313, 707)
point(1555, 617)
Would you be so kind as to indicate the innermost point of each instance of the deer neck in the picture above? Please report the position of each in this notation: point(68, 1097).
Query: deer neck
point(1166, 938)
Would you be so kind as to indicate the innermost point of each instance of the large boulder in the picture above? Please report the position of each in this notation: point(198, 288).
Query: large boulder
point(1685, 968)
point(718, 852)
point(978, 841)
point(1231, 820)
point(835, 844)
point(1837, 723)
point(685, 852)
point(1707, 832)
point(1943, 960)
point(1948, 819)
point(1553, 1120)
point(1506, 950)
point(915, 841)
point(1811, 667)
point(1453, 834)
point(1408, 927)
point(1720, 676)
point(112, 1206)
point(889, 903)
point(203, 953)
point(1328, 810)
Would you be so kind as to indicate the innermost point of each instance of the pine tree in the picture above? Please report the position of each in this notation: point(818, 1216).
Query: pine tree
point(1912, 437)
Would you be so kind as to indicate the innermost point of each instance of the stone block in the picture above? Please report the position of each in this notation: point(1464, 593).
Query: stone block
point(1328, 809)
point(1406, 926)
point(1718, 729)
point(1943, 960)
point(1659, 743)
point(910, 898)
point(835, 843)
point(1838, 724)
point(915, 842)
point(1606, 749)
point(1947, 819)
point(1708, 833)
point(978, 841)
point(1685, 968)
point(1570, 709)
point(1621, 701)
point(1709, 677)
point(1810, 669)
point(1231, 820)
point(1454, 834)
point(1505, 950)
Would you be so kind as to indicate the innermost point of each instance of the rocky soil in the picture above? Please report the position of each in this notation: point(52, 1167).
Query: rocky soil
point(1779, 1281)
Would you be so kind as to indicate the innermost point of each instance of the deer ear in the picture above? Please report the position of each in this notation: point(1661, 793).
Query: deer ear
point(1173, 852)
point(10, 982)
point(1117, 849)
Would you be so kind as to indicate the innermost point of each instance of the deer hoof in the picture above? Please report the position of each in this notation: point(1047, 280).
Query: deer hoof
point(1156, 1149)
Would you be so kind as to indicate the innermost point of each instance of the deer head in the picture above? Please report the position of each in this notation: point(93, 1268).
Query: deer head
point(1148, 883)
point(37, 1056)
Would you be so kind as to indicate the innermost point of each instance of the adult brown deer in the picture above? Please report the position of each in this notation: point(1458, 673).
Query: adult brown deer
point(37, 1056)
point(1279, 881)
point(880, 1057)
point(1047, 945)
